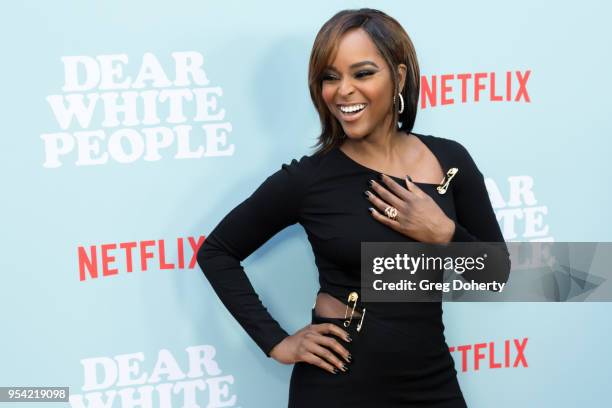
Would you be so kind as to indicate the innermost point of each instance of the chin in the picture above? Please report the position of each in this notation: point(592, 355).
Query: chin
point(355, 134)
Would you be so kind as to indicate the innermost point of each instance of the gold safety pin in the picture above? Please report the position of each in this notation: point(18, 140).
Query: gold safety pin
point(361, 321)
point(449, 176)
point(352, 297)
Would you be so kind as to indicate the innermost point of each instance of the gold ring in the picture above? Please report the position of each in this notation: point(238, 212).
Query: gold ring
point(391, 212)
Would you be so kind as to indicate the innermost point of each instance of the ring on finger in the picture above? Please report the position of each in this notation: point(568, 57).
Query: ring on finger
point(391, 212)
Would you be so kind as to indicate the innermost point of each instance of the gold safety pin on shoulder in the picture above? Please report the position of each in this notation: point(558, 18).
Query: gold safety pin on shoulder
point(447, 179)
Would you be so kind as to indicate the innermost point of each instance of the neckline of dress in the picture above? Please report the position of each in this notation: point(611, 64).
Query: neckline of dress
point(357, 164)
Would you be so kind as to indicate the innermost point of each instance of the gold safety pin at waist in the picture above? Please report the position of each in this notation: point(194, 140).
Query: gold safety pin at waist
point(352, 297)
point(361, 321)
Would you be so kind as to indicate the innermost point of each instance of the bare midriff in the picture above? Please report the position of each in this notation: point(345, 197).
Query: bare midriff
point(328, 306)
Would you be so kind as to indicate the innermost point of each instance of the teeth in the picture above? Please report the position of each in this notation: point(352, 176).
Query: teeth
point(352, 108)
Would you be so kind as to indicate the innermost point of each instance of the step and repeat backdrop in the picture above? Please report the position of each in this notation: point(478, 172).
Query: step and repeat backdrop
point(131, 128)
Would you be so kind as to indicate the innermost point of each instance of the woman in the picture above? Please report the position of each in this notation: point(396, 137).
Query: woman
point(363, 79)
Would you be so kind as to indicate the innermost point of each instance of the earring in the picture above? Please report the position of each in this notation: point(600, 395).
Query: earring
point(401, 103)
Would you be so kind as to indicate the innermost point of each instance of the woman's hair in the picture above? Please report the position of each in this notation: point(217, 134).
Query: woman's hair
point(395, 47)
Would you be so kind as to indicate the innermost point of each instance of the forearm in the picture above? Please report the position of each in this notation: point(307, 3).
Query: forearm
point(231, 284)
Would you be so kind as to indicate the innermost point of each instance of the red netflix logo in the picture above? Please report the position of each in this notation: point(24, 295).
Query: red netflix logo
point(136, 254)
point(443, 90)
point(512, 350)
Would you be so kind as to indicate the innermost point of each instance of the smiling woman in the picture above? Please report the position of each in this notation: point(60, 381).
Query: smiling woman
point(362, 62)
point(364, 82)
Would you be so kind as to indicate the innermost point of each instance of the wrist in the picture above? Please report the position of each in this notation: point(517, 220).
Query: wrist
point(445, 232)
point(276, 350)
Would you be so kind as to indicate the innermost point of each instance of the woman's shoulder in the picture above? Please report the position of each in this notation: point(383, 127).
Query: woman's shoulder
point(302, 166)
point(305, 166)
point(297, 173)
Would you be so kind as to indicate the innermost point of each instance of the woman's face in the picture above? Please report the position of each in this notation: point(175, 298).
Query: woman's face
point(359, 79)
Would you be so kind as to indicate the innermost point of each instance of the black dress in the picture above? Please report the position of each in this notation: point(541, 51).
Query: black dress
point(399, 357)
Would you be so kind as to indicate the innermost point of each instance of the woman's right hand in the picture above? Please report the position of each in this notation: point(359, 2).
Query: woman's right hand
point(311, 345)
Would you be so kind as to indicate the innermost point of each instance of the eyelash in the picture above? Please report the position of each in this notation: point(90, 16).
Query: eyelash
point(365, 74)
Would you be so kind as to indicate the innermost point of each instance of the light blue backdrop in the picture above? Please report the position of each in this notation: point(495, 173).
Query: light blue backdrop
point(257, 54)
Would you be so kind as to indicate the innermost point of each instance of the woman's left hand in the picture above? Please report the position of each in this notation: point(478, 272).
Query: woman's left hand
point(418, 217)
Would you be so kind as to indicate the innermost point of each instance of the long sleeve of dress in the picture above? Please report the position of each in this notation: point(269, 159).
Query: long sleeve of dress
point(476, 222)
point(274, 205)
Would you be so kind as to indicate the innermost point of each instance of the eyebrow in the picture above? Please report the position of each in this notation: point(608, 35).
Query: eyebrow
point(355, 65)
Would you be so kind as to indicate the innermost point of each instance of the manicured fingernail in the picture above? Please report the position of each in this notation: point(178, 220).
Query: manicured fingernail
point(349, 339)
point(367, 193)
point(335, 370)
point(370, 209)
point(380, 176)
point(409, 178)
point(371, 183)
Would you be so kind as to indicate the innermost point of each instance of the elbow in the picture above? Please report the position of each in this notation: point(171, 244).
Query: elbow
point(203, 256)
point(502, 263)
point(503, 266)
point(213, 258)
point(502, 278)
point(506, 263)
point(506, 269)
point(496, 270)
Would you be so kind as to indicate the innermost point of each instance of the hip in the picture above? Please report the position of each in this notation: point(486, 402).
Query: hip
point(390, 366)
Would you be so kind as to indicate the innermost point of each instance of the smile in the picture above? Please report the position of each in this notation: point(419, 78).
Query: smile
point(352, 112)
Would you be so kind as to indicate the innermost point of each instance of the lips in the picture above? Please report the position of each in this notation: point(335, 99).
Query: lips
point(351, 117)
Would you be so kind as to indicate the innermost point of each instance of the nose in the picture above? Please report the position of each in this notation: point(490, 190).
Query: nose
point(346, 87)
